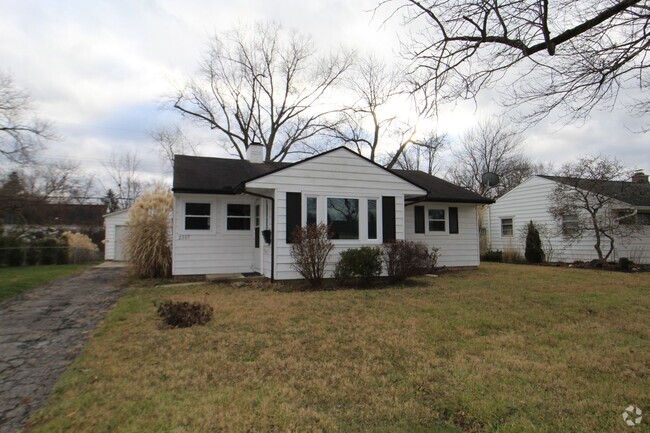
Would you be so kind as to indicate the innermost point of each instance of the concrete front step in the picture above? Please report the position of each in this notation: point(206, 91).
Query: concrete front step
point(224, 278)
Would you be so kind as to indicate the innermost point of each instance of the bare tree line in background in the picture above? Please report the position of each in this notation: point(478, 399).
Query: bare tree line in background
point(262, 84)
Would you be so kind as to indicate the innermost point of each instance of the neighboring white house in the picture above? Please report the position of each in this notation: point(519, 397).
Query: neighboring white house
point(234, 216)
point(506, 220)
point(115, 238)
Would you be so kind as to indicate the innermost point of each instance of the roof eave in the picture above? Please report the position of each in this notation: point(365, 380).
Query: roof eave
point(450, 200)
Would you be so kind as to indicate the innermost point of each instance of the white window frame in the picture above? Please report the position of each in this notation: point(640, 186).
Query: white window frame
point(427, 220)
point(213, 214)
point(321, 215)
point(250, 217)
point(512, 227)
point(360, 200)
point(570, 219)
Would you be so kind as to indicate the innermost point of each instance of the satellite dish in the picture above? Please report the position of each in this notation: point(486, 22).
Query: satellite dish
point(490, 179)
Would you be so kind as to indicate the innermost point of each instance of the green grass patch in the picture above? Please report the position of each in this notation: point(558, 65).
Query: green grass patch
point(16, 280)
point(506, 348)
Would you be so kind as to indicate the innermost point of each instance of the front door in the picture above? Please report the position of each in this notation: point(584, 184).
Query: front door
point(257, 255)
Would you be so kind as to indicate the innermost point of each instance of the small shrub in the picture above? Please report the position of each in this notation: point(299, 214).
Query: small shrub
point(32, 256)
point(52, 251)
point(512, 255)
point(406, 259)
point(12, 251)
point(534, 252)
point(625, 264)
point(492, 256)
point(184, 314)
point(81, 248)
point(362, 263)
point(310, 249)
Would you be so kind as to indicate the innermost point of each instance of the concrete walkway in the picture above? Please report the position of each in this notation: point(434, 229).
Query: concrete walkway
point(42, 331)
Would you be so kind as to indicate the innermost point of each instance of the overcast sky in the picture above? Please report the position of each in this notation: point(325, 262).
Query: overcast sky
point(99, 70)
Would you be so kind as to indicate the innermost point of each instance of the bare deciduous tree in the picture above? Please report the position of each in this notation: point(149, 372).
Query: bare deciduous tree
point(123, 170)
point(424, 155)
point(172, 141)
point(568, 55)
point(62, 182)
point(21, 132)
point(585, 192)
point(382, 121)
point(263, 85)
point(490, 147)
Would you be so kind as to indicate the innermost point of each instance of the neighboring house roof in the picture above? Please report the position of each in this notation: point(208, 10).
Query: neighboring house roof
point(38, 213)
point(633, 193)
point(115, 213)
point(195, 174)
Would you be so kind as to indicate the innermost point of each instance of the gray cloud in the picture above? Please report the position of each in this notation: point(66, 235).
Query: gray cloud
point(100, 69)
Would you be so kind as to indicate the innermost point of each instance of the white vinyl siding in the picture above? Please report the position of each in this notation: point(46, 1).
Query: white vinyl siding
point(111, 221)
point(530, 202)
point(458, 249)
point(214, 252)
point(336, 174)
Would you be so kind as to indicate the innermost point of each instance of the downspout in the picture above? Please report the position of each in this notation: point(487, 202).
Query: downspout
point(272, 228)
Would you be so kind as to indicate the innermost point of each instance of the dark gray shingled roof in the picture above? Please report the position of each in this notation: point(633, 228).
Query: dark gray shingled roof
point(634, 193)
point(197, 174)
point(440, 190)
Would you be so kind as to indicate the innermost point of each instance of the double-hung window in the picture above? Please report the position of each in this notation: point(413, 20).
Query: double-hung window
point(506, 227)
point(437, 220)
point(238, 217)
point(197, 216)
point(569, 224)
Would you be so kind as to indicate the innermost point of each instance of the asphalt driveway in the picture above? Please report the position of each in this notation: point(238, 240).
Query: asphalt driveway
point(42, 331)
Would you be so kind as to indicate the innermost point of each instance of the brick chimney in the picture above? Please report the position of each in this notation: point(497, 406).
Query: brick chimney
point(639, 177)
point(255, 153)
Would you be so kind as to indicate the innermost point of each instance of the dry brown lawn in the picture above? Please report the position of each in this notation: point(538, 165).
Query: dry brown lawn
point(506, 348)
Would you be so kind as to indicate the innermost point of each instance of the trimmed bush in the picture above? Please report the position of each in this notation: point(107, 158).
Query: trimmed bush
point(534, 252)
point(492, 256)
point(184, 314)
point(363, 264)
point(406, 259)
point(310, 248)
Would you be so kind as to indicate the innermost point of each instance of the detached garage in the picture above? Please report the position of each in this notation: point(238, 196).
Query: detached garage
point(115, 243)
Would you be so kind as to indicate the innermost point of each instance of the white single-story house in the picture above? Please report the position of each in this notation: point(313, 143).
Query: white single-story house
point(233, 216)
point(506, 220)
point(115, 238)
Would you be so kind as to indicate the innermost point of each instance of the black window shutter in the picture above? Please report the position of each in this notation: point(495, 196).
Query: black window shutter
point(419, 219)
point(453, 220)
point(388, 218)
point(294, 213)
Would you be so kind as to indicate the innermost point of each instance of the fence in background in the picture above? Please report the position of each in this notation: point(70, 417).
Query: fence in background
point(33, 256)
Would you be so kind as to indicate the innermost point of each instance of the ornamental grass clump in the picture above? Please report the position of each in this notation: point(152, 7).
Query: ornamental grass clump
point(148, 242)
point(81, 248)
